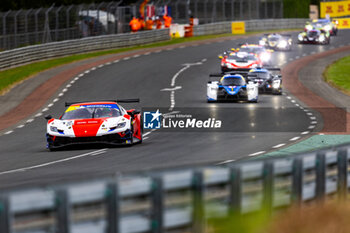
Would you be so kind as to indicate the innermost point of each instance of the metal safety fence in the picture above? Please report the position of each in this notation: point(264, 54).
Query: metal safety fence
point(20, 56)
point(181, 199)
point(57, 23)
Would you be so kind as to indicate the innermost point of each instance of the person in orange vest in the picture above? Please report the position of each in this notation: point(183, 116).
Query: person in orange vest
point(158, 23)
point(134, 24)
point(149, 24)
point(167, 20)
point(142, 23)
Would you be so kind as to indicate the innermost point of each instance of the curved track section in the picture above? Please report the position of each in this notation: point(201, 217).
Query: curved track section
point(257, 128)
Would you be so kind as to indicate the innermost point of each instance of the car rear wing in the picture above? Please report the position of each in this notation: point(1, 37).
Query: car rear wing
point(118, 101)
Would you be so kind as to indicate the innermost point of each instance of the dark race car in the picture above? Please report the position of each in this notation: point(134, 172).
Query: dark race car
point(103, 122)
point(314, 36)
point(276, 41)
point(267, 80)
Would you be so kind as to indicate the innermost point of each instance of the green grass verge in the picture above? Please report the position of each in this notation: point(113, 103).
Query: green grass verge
point(337, 74)
point(10, 77)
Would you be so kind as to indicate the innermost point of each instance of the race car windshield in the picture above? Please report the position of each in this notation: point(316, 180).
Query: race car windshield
point(260, 75)
point(312, 33)
point(247, 57)
point(233, 82)
point(273, 39)
point(88, 113)
point(251, 49)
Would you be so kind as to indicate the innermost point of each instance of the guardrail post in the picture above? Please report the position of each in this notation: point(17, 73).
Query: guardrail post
point(342, 174)
point(297, 181)
point(158, 205)
point(5, 215)
point(236, 190)
point(113, 218)
point(320, 176)
point(63, 211)
point(268, 186)
point(198, 202)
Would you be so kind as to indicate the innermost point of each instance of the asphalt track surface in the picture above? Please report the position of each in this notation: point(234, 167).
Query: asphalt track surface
point(274, 122)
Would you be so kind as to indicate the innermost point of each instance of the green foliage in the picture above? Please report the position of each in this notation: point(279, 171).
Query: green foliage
point(298, 8)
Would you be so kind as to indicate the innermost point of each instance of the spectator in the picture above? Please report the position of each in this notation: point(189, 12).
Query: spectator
point(149, 24)
point(134, 24)
point(167, 20)
point(158, 23)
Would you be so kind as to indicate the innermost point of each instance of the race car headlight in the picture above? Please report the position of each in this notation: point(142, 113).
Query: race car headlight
point(276, 84)
point(121, 125)
point(322, 37)
point(308, 27)
point(265, 57)
point(213, 91)
point(300, 37)
point(54, 129)
point(282, 44)
point(327, 28)
point(250, 90)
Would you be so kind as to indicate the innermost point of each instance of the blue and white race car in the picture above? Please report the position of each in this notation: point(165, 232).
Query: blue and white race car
point(232, 87)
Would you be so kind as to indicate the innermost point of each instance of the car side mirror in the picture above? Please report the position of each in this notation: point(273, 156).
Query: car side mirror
point(48, 117)
point(220, 56)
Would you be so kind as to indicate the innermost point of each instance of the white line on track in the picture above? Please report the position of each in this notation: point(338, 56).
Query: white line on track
point(8, 132)
point(65, 90)
point(288, 97)
point(294, 139)
point(116, 61)
point(100, 66)
point(79, 76)
point(136, 56)
point(306, 132)
point(257, 153)
point(61, 94)
point(39, 114)
point(279, 145)
point(86, 72)
point(148, 53)
point(45, 109)
point(108, 63)
point(182, 46)
point(312, 126)
point(226, 161)
point(93, 68)
point(55, 100)
point(20, 126)
point(145, 138)
point(313, 118)
point(313, 122)
point(30, 120)
point(145, 134)
point(126, 58)
point(51, 163)
point(309, 114)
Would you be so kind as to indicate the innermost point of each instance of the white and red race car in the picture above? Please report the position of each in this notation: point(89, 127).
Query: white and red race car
point(103, 122)
point(238, 60)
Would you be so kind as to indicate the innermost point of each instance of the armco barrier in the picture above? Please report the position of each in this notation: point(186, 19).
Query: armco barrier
point(159, 201)
point(250, 25)
point(15, 57)
point(20, 56)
